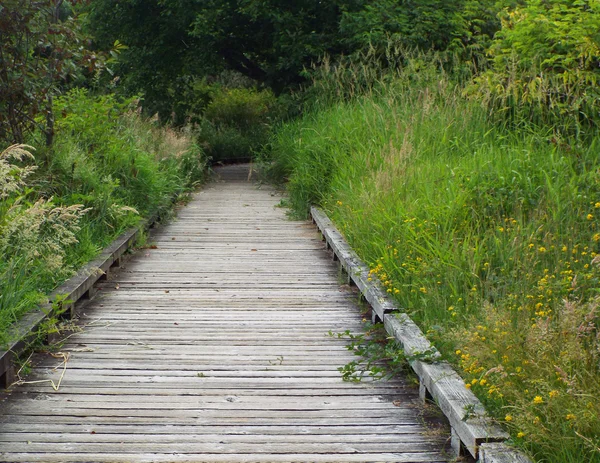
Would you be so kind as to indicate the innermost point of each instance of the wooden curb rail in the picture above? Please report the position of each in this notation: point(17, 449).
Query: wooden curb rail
point(79, 286)
point(471, 428)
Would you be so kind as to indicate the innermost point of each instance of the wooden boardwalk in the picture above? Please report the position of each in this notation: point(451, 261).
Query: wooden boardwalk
point(211, 346)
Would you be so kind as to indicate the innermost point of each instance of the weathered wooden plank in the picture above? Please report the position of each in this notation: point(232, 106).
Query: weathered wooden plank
point(219, 447)
point(464, 411)
point(72, 290)
point(357, 271)
point(279, 432)
point(181, 391)
point(501, 453)
point(227, 437)
point(111, 457)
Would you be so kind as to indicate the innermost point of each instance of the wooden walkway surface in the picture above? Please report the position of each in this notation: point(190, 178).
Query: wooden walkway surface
point(211, 347)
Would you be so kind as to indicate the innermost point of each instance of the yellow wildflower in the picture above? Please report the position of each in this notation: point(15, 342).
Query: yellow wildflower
point(508, 418)
point(538, 399)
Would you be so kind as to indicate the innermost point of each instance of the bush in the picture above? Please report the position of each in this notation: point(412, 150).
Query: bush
point(545, 65)
point(236, 123)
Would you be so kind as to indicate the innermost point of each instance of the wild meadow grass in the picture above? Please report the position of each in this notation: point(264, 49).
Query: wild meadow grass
point(488, 237)
point(59, 207)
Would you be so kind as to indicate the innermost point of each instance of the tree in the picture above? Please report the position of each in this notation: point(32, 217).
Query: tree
point(161, 57)
point(173, 43)
point(270, 41)
point(41, 52)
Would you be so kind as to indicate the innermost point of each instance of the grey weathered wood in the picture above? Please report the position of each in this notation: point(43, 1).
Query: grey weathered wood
point(465, 412)
point(175, 457)
point(353, 266)
point(410, 336)
point(212, 345)
point(501, 453)
point(470, 425)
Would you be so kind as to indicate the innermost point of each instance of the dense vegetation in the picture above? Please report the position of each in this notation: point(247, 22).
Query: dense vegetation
point(106, 169)
point(454, 143)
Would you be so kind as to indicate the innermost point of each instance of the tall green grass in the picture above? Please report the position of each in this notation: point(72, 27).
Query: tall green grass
point(107, 169)
point(488, 237)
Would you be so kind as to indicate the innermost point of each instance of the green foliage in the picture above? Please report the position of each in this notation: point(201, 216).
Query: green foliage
point(240, 107)
point(429, 24)
point(42, 52)
point(488, 237)
point(161, 57)
point(174, 44)
point(272, 41)
point(379, 358)
point(546, 65)
point(236, 123)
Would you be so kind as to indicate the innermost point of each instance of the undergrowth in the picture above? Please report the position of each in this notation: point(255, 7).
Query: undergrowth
point(486, 235)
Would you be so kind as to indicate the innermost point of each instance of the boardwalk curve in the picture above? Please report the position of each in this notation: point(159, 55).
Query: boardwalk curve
point(211, 346)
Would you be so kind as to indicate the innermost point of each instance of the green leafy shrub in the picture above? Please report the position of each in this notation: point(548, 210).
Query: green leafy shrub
point(34, 237)
point(236, 123)
point(546, 65)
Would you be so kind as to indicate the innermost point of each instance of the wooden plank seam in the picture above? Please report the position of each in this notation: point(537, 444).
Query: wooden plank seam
point(472, 428)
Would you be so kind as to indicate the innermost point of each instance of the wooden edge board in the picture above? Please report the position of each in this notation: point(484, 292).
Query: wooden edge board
point(76, 286)
point(356, 269)
point(414, 343)
point(500, 453)
point(465, 413)
point(73, 289)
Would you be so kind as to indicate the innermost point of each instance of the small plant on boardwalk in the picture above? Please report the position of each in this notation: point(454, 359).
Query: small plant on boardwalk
point(380, 357)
